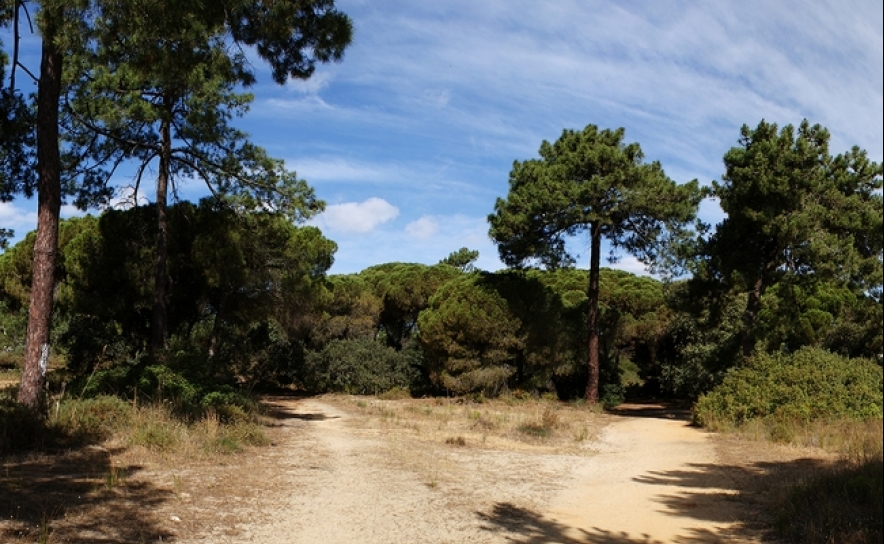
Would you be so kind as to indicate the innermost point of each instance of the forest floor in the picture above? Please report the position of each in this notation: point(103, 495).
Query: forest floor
point(361, 470)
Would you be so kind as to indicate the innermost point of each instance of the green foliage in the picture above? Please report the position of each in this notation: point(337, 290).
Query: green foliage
point(96, 417)
point(470, 338)
point(807, 385)
point(359, 367)
point(462, 259)
point(586, 178)
point(244, 292)
point(796, 216)
point(700, 341)
point(591, 182)
point(142, 99)
point(405, 290)
point(352, 310)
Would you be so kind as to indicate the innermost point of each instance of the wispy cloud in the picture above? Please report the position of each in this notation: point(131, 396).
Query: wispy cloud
point(422, 229)
point(412, 137)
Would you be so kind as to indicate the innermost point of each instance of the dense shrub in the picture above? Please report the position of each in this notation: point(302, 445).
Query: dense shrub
point(71, 422)
point(96, 418)
point(359, 366)
point(807, 385)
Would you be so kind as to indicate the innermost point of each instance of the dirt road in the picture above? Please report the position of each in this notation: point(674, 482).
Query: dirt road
point(337, 480)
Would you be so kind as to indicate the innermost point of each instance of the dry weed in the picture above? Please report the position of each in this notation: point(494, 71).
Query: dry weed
point(502, 424)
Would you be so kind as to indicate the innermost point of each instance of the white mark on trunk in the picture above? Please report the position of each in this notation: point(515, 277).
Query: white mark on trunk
point(44, 359)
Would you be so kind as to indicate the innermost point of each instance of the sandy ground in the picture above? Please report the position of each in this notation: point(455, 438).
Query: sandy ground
point(336, 474)
point(647, 480)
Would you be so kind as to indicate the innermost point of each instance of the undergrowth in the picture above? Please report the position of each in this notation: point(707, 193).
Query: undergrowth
point(155, 427)
point(819, 399)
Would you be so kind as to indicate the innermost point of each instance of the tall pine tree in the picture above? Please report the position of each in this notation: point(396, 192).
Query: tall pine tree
point(589, 181)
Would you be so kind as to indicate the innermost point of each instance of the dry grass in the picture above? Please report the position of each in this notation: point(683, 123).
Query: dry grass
point(9, 377)
point(835, 499)
point(104, 469)
point(507, 424)
point(851, 440)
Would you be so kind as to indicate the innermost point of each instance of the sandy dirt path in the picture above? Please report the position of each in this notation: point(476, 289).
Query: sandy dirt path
point(649, 482)
point(338, 480)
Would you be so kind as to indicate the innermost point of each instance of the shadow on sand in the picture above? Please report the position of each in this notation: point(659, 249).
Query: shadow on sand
point(746, 490)
point(78, 497)
point(274, 408)
point(677, 410)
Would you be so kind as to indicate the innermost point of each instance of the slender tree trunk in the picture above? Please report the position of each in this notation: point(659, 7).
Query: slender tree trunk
point(753, 304)
point(750, 316)
point(158, 322)
point(48, 206)
point(592, 320)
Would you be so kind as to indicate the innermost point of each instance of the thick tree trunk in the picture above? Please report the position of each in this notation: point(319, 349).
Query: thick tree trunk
point(158, 322)
point(592, 320)
point(48, 206)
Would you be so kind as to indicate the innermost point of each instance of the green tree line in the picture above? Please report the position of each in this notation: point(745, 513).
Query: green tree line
point(189, 299)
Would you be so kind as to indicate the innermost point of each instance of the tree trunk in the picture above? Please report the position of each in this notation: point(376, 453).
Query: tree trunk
point(158, 322)
point(592, 319)
point(753, 304)
point(750, 316)
point(36, 355)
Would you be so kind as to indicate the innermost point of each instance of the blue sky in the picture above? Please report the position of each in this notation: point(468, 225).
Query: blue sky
point(410, 140)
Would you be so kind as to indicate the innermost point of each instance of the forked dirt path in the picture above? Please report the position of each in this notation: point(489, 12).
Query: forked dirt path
point(646, 480)
point(649, 482)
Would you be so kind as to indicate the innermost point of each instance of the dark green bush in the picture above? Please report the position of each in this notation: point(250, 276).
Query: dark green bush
point(359, 367)
point(72, 422)
point(95, 417)
point(229, 404)
point(807, 385)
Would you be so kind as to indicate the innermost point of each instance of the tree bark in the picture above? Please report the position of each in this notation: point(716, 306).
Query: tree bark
point(750, 316)
point(158, 321)
point(36, 355)
point(592, 319)
point(753, 304)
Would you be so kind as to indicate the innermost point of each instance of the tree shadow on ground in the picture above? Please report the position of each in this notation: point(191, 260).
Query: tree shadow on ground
point(748, 489)
point(735, 496)
point(524, 526)
point(272, 408)
point(78, 497)
point(677, 410)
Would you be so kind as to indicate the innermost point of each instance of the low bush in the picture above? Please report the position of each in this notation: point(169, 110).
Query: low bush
point(813, 398)
point(96, 418)
point(358, 367)
point(154, 427)
point(784, 389)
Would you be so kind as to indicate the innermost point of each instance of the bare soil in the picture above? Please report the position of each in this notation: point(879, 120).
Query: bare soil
point(345, 470)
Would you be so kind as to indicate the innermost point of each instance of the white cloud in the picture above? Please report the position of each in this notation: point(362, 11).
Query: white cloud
point(317, 82)
point(452, 232)
point(628, 263)
point(422, 229)
point(17, 218)
point(67, 211)
point(356, 217)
